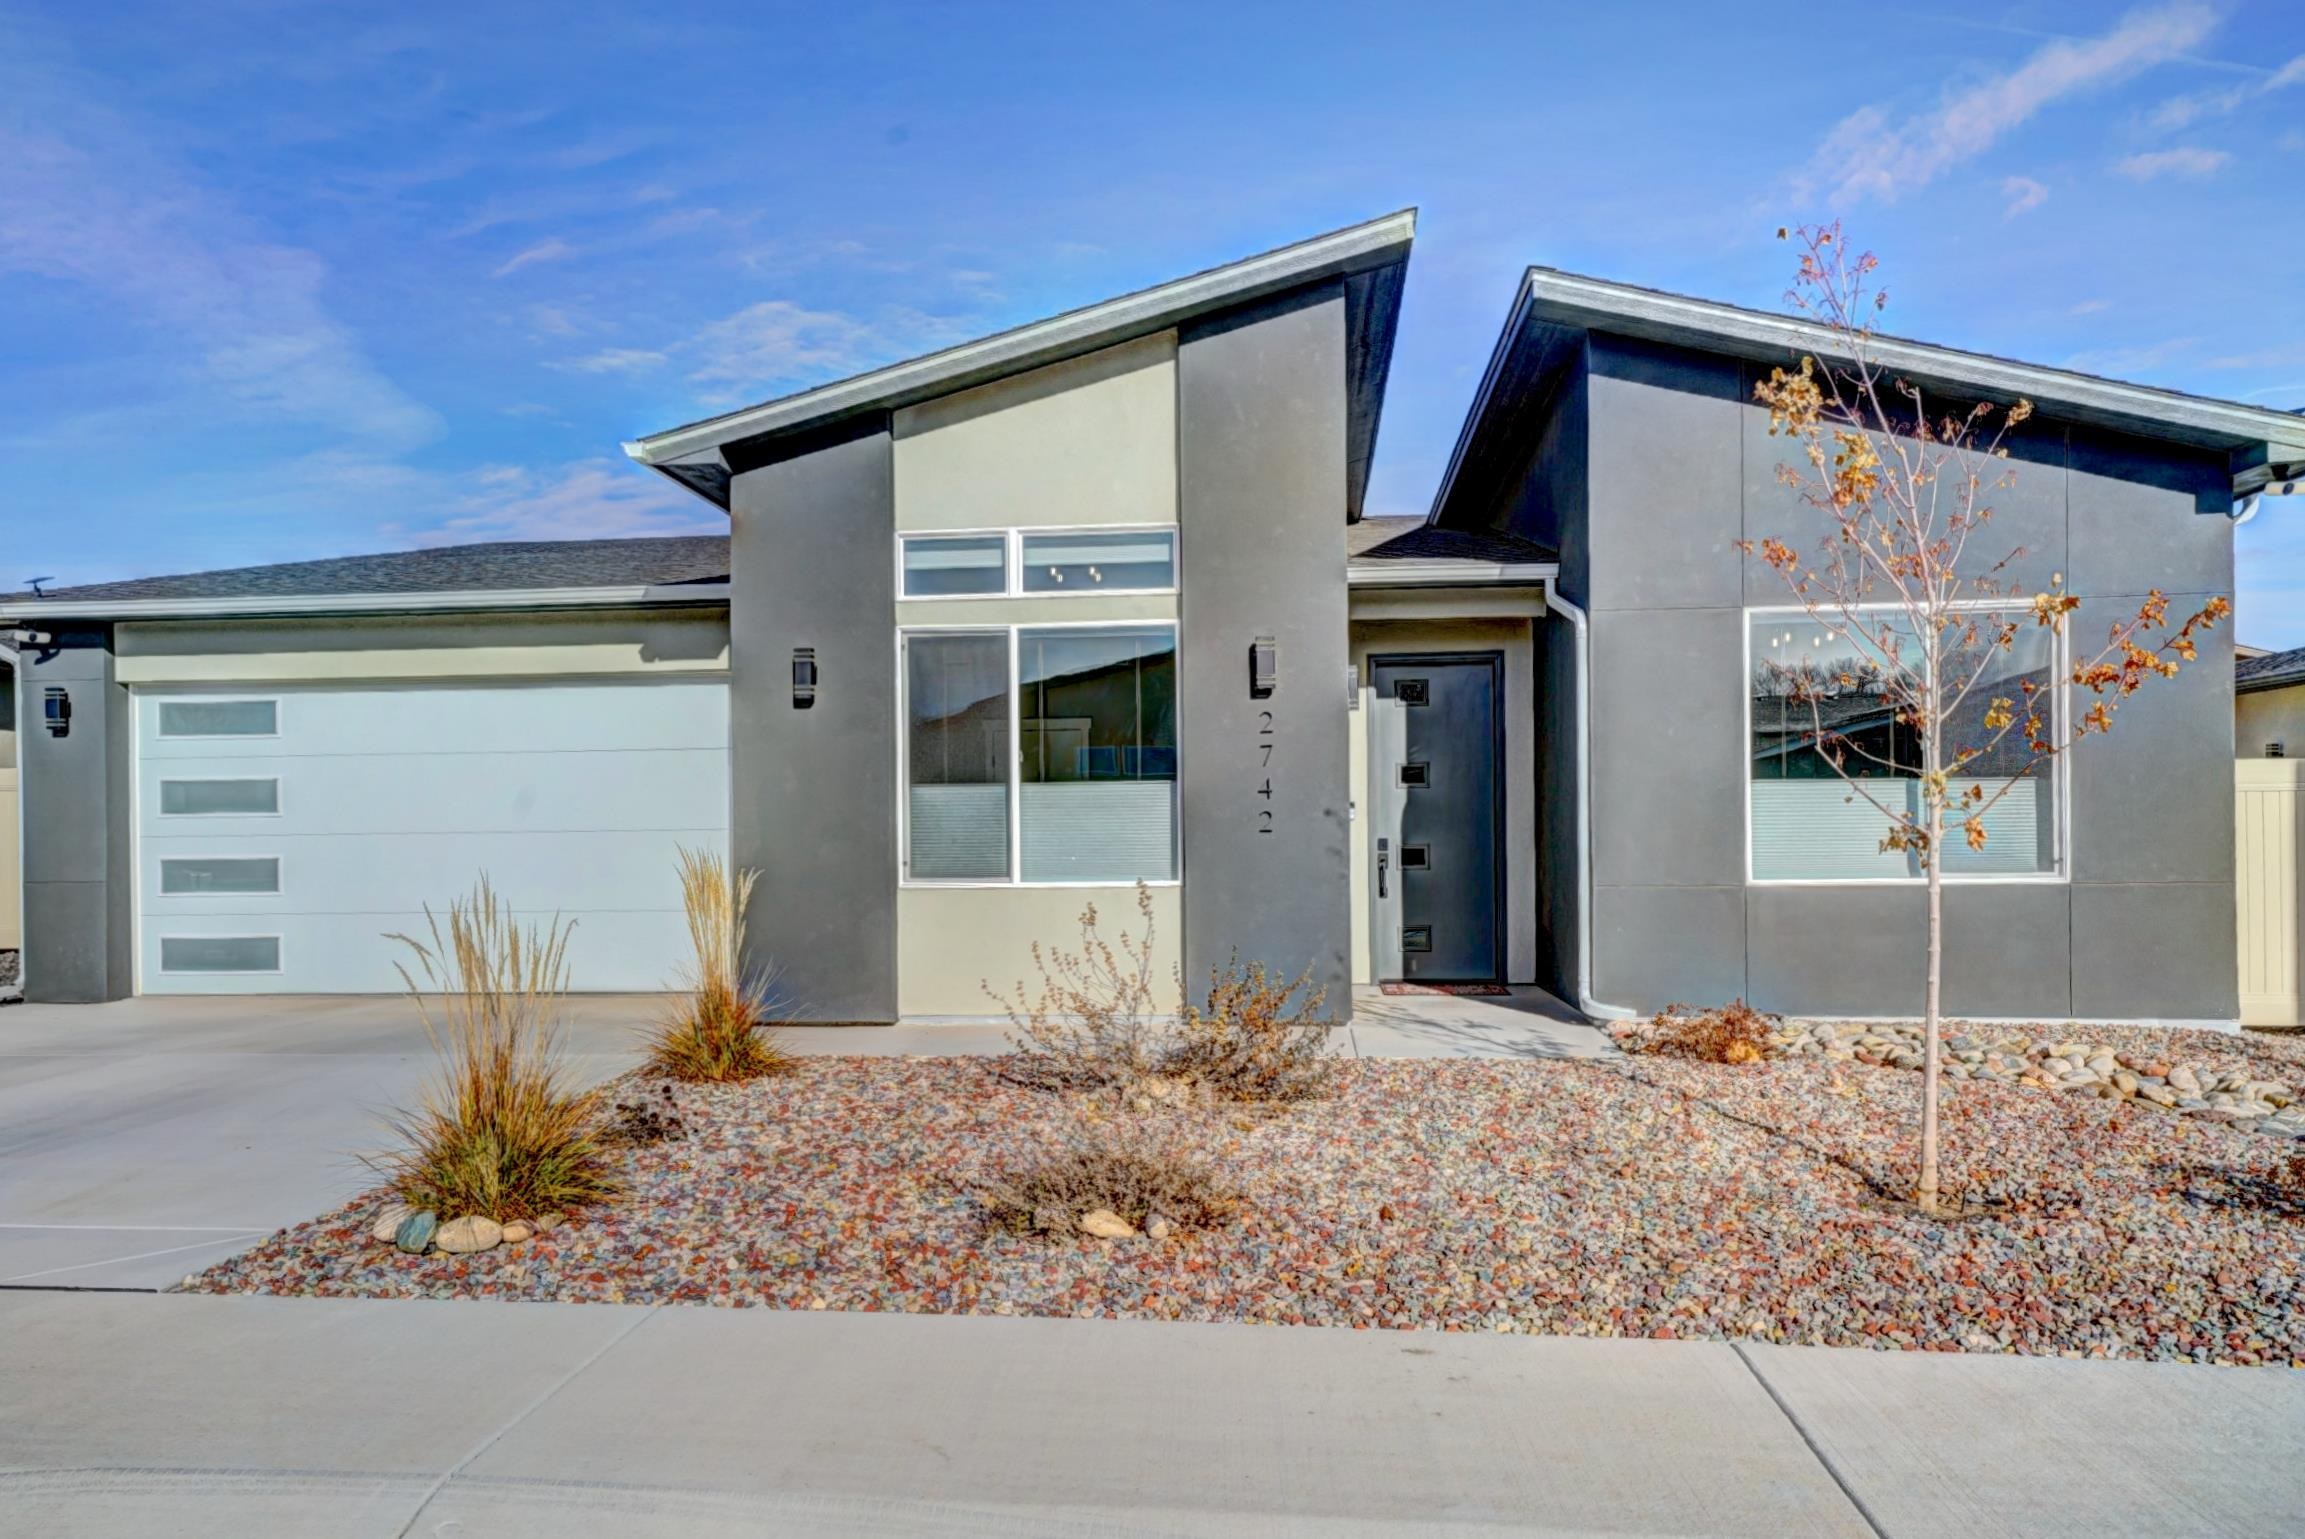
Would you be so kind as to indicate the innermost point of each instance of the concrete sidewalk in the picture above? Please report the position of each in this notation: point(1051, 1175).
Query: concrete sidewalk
point(194, 1416)
point(150, 1138)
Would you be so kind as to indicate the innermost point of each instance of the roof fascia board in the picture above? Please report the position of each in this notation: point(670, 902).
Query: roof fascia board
point(1041, 342)
point(1599, 305)
point(1443, 574)
point(32, 611)
point(1498, 356)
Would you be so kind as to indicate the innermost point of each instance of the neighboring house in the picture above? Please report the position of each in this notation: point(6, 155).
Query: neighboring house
point(1003, 631)
point(2269, 705)
point(11, 892)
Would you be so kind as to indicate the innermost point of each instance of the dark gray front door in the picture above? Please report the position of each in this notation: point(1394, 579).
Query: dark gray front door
point(1451, 872)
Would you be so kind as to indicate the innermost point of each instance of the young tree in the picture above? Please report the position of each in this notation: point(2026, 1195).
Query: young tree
point(1922, 708)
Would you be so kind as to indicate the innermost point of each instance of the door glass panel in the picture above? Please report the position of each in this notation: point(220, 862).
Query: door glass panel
point(180, 875)
point(218, 798)
point(956, 757)
point(220, 953)
point(219, 718)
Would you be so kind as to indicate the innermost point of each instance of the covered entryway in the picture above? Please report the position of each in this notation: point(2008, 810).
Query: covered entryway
point(284, 832)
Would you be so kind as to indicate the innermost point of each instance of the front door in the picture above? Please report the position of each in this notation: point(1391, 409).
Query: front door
point(1450, 781)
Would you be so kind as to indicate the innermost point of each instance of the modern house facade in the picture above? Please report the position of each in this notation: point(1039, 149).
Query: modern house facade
point(1015, 627)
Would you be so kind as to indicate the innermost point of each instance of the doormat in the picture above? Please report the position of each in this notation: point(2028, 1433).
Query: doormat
point(1474, 990)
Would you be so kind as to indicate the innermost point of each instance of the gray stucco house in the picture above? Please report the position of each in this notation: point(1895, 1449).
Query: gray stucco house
point(1095, 601)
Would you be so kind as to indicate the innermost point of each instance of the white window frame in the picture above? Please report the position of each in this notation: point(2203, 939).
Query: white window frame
point(161, 734)
point(1012, 556)
point(161, 782)
point(278, 889)
point(280, 953)
point(1013, 631)
point(2058, 774)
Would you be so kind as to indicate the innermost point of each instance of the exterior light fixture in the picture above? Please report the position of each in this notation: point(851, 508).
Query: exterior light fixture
point(1264, 667)
point(803, 678)
point(57, 711)
point(2276, 751)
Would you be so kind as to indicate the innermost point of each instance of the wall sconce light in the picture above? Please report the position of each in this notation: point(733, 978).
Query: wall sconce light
point(57, 710)
point(1264, 667)
point(803, 678)
point(2276, 750)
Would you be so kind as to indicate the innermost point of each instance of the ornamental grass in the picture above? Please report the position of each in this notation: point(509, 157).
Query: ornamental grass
point(500, 1131)
point(720, 1030)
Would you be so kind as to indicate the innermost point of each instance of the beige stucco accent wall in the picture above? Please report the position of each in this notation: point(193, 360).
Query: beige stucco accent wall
point(11, 865)
point(383, 648)
point(1089, 441)
point(2269, 716)
point(1511, 637)
point(951, 941)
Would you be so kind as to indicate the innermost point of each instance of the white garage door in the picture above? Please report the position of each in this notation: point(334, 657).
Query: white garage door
point(284, 833)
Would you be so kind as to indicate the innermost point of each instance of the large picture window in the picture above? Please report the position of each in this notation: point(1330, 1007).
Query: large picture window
point(1808, 824)
point(1089, 793)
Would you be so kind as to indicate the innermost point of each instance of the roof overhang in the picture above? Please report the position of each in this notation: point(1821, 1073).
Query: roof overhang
point(1553, 310)
point(1370, 258)
point(38, 611)
point(1450, 574)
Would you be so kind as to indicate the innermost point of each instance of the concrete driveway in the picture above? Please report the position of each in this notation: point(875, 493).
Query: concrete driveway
point(146, 1139)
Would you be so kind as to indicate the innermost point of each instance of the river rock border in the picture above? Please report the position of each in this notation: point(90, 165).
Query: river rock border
point(2170, 1082)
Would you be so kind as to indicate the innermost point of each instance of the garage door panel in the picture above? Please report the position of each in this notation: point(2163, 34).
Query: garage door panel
point(574, 798)
point(474, 719)
point(350, 954)
point(355, 873)
point(456, 793)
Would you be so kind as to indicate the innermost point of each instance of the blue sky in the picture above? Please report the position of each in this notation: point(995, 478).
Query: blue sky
point(284, 280)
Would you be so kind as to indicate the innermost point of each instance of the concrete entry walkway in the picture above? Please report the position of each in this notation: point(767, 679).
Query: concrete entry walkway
point(150, 1138)
point(190, 1415)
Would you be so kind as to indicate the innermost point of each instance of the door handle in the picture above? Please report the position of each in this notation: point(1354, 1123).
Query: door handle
point(1383, 859)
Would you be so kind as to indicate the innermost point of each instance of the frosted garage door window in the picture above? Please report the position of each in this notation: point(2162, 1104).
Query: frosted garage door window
point(1820, 700)
point(956, 757)
point(1098, 563)
point(219, 718)
point(956, 566)
point(1098, 767)
point(220, 953)
point(192, 875)
point(219, 798)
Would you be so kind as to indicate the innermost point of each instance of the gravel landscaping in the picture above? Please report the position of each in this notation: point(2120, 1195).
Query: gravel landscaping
point(1633, 1197)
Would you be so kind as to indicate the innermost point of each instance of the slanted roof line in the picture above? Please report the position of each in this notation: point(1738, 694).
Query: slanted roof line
point(288, 605)
point(1339, 253)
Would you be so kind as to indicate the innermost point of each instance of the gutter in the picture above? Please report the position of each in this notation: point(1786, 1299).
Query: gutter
point(1593, 1008)
point(446, 601)
point(1446, 574)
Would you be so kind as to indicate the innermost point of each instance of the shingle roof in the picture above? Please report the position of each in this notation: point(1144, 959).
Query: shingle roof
point(2275, 670)
point(1374, 541)
point(498, 567)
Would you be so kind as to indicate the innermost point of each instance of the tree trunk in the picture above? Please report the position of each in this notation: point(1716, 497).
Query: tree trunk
point(1931, 1052)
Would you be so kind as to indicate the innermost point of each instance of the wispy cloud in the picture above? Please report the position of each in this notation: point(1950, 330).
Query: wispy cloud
point(2024, 195)
point(87, 197)
point(592, 499)
point(552, 250)
point(2188, 161)
point(2089, 307)
point(2184, 111)
point(1871, 154)
point(2131, 362)
point(615, 360)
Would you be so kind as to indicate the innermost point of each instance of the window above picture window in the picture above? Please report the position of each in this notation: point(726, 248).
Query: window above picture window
point(1831, 752)
point(1037, 563)
point(1101, 561)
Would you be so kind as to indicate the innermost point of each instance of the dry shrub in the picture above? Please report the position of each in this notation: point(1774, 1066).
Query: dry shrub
point(1097, 1020)
point(1256, 1038)
point(1732, 1033)
point(1128, 1175)
point(720, 1030)
point(500, 1132)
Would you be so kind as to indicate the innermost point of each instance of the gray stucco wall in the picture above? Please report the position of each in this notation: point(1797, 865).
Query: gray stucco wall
point(1680, 466)
point(814, 791)
point(1261, 452)
point(78, 871)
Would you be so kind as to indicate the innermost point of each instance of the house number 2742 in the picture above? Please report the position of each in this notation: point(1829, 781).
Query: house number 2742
point(1265, 770)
